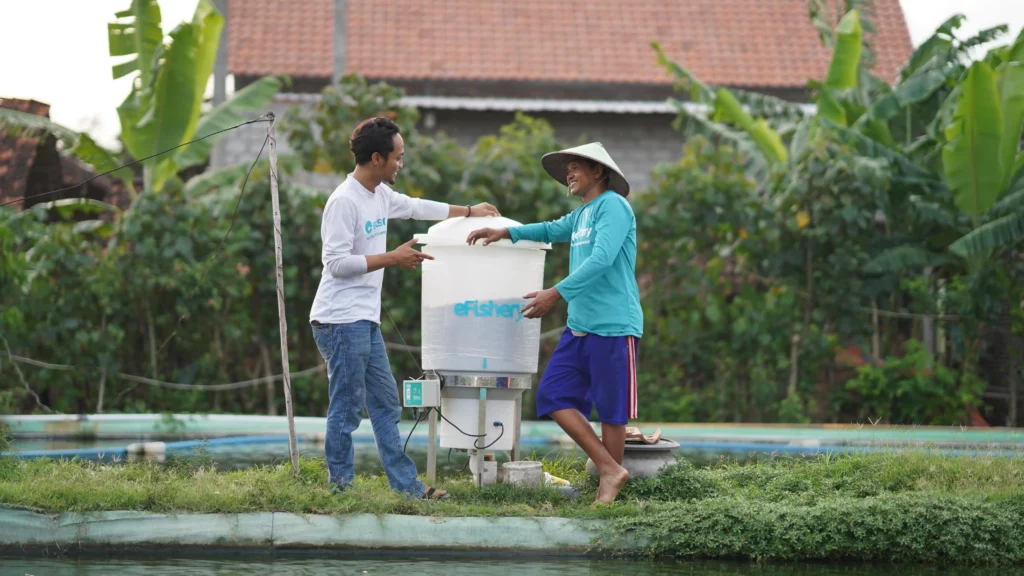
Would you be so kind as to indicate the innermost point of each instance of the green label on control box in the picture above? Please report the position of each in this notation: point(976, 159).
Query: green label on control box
point(413, 393)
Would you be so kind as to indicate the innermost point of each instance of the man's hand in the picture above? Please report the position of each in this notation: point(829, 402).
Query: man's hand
point(408, 257)
point(484, 209)
point(542, 303)
point(488, 235)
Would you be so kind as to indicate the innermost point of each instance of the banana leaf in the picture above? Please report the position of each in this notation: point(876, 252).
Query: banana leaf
point(973, 167)
point(245, 103)
point(991, 236)
point(137, 33)
point(1010, 79)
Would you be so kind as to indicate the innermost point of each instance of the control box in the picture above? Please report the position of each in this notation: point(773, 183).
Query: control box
point(421, 393)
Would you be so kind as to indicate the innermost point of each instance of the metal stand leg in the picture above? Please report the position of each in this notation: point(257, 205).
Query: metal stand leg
point(482, 441)
point(432, 446)
point(516, 418)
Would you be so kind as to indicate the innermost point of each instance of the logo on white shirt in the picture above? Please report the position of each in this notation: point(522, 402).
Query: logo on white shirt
point(376, 227)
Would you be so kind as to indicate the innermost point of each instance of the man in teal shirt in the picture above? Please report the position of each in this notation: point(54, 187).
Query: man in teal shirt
point(594, 364)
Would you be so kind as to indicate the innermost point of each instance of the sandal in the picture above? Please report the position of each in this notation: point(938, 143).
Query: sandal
point(434, 494)
point(633, 435)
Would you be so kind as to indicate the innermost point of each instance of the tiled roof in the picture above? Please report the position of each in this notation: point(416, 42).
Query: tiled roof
point(759, 43)
point(294, 37)
point(17, 152)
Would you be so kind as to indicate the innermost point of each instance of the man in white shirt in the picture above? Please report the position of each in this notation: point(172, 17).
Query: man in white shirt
point(346, 312)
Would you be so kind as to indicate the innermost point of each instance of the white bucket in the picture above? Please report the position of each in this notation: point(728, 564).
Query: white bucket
point(524, 473)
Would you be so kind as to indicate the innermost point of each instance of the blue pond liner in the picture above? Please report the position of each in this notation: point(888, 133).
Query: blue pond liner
point(767, 448)
point(190, 445)
point(742, 447)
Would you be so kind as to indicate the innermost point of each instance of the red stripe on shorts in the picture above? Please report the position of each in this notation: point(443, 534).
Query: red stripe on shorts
point(631, 344)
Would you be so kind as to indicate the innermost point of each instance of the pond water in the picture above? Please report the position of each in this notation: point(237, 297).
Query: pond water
point(411, 565)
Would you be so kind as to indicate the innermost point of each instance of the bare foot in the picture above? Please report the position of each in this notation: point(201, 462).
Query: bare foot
point(610, 486)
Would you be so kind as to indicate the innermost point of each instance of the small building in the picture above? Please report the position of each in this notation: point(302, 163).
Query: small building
point(587, 66)
point(33, 164)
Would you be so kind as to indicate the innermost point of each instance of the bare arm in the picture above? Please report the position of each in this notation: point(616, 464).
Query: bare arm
point(378, 261)
point(481, 209)
point(405, 256)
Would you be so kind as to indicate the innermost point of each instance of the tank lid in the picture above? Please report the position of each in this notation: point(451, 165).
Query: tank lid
point(454, 231)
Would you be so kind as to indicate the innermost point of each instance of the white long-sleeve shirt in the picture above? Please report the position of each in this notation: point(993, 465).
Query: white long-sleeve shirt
point(354, 226)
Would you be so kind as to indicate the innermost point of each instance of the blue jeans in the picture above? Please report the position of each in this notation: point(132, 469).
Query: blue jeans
point(360, 376)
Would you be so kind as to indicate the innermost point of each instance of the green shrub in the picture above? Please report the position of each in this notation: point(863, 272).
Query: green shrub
point(897, 528)
point(914, 389)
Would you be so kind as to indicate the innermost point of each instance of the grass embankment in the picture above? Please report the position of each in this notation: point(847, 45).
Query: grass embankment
point(881, 507)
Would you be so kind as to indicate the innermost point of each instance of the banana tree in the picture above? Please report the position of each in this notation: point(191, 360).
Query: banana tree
point(822, 13)
point(848, 101)
point(164, 107)
point(983, 161)
point(740, 117)
point(845, 99)
point(791, 174)
point(751, 128)
point(961, 139)
point(964, 145)
point(941, 106)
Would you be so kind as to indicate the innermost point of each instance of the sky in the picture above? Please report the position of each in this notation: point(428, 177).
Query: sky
point(55, 51)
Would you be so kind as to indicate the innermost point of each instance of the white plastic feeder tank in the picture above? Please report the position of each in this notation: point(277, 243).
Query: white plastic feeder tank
point(474, 337)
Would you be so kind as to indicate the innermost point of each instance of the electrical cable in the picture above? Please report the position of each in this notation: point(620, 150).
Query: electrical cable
point(500, 434)
point(217, 251)
point(407, 438)
point(457, 428)
point(476, 437)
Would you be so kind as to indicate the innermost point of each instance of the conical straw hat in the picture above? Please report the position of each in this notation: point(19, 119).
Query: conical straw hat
point(556, 164)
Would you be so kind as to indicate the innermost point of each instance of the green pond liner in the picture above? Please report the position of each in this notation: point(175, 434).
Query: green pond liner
point(27, 529)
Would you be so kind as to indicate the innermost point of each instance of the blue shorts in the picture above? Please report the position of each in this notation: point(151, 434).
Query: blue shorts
point(588, 371)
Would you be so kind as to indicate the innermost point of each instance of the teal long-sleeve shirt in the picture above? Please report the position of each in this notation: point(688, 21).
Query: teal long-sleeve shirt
point(601, 286)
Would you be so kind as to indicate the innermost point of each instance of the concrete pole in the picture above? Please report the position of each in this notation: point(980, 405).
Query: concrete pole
point(220, 74)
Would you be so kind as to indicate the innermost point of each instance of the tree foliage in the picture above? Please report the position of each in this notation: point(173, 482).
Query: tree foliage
point(789, 262)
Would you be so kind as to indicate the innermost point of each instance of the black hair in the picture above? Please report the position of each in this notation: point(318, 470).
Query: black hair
point(373, 135)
